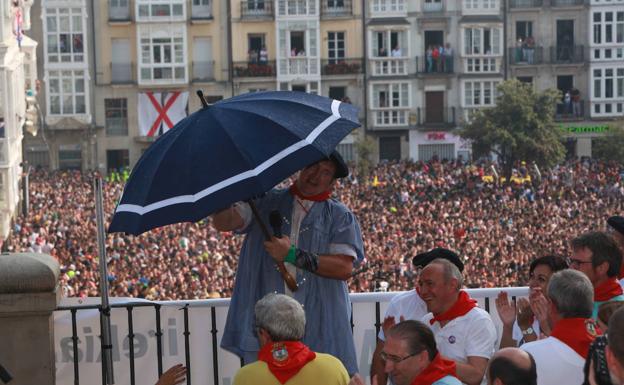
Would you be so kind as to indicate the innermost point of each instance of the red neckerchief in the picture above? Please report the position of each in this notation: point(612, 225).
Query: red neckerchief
point(607, 290)
point(462, 306)
point(294, 190)
point(577, 333)
point(285, 358)
point(437, 369)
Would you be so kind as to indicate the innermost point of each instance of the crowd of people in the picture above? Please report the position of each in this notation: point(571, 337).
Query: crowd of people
point(404, 208)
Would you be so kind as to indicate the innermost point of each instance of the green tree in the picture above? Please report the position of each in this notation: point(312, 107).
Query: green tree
point(520, 127)
point(610, 147)
point(364, 147)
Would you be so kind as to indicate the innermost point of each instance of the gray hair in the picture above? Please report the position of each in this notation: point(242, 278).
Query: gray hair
point(450, 271)
point(572, 294)
point(281, 316)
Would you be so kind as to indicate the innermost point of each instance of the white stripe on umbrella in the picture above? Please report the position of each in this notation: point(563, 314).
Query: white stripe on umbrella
point(137, 209)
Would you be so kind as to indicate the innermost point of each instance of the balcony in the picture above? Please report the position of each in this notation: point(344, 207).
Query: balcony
point(573, 111)
point(256, 9)
point(341, 66)
point(254, 70)
point(201, 9)
point(122, 73)
point(388, 8)
point(445, 65)
point(296, 8)
point(436, 117)
point(563, 54)
point(525, 3)
point(118, 10)
point(567, 3)
point(389, 66)
point(526, 56)
point(203, 70)
point(390, 118)
point(298, 66)
point(433, 7)
point(336, 8)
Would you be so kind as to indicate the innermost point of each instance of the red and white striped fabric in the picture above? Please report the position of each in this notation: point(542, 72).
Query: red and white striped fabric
point(159, 112)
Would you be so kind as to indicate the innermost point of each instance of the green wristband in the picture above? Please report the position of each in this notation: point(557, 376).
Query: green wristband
point(291, 255)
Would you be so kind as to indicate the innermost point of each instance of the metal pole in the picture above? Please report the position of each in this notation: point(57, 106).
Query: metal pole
point(107, 357)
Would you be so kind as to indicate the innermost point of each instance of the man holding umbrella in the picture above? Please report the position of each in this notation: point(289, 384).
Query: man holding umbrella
point(321, 241)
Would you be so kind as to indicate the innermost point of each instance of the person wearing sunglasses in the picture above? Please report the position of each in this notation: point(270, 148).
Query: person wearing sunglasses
point(598, 256)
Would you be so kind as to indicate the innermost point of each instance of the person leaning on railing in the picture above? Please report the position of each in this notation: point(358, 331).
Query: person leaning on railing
point(527, 319)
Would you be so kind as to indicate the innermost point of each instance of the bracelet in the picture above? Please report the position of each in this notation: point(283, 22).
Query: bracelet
point(291, 256)
point(307, 260)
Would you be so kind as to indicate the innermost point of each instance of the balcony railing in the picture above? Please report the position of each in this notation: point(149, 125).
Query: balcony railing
point(117, 12)
point(122, 73)
point(389, 66)
point(525, 3)
point(433, 7)
point(571, 111)
point(526, 56)
point(330, 8)
point(201, 11)
point(567, 54)
point(436, 117)
point(444, 65)
point(567, 3)
point(203, 70)
point(391, 117)
point(388, 8)
point(253, 70)
point(341, 66)
point(299, 66)
point(256, 9)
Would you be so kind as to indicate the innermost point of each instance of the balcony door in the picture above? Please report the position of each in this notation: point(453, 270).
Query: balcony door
point(565, 39)
point(390, 148)
point(434, 107)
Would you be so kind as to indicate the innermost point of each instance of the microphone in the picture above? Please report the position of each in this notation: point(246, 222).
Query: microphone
point(275, 220)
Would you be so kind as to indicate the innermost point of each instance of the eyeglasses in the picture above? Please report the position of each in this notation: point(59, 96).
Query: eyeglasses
point(395, 359)
point(576, 262)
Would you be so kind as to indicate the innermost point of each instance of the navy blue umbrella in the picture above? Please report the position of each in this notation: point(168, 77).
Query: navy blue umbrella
point(231, 151)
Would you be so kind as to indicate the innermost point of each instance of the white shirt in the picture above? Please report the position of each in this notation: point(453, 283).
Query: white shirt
point(408, 305)
point(471, 335)
point(556, 362)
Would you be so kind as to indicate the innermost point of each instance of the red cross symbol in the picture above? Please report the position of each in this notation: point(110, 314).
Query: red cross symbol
point(162, 111)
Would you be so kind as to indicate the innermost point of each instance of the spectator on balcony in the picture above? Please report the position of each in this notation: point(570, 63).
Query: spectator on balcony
point(526, 320)
point(441, 61)
point(396, 52)
point(263, 56)
point(382, 52)
point(567, 103)
point(519, 50)
point(301, 53)
point(429, 57)
point(293, 52)
point(435, 54)
point(576, 102)
point(252, 56)
point(530, 49)
point(448, 58)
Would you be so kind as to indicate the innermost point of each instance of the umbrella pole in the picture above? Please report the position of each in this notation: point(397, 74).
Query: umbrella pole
point(107, 357)
point(290, 281)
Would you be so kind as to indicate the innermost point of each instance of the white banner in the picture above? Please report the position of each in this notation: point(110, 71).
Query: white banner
point(200, 338)
point(159, 112)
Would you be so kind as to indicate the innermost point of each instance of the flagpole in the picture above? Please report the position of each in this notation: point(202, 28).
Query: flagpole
point(107, 357)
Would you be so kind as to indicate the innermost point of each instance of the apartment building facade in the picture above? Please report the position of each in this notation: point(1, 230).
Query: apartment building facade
point(417, 69)
point(18, 79)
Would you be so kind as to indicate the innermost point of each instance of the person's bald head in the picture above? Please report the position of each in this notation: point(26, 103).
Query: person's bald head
point(512, 366)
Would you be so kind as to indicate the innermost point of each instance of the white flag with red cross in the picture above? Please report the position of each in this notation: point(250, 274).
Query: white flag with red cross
point(159, 112)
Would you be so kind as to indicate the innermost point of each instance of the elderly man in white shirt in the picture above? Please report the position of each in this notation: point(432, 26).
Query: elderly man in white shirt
point(560, 358)
point(464, 333)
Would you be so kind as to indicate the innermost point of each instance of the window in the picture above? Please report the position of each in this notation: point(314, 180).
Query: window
point(66, 92)
point(163, 54)
point(524, 29)
point(608, 83)
point(64, 35)
point(480, 4)
point(391, 95)
point(335, 47)
point(608, 27)
point(116, 111)
point(160, 9)
point(389, 43)
point(482, 41)
point(337, 93)
point(481, 65)
point(480, 93)
point(200, 9)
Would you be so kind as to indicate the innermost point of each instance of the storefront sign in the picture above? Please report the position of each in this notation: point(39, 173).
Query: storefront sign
point(436, 136)
point(586, 129)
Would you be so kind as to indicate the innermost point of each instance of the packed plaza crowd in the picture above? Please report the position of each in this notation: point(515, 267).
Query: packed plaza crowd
point(404, 208)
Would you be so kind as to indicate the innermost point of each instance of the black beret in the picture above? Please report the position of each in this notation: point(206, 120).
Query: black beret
point(342, 170)
point(617, 222)
point(423, 259)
